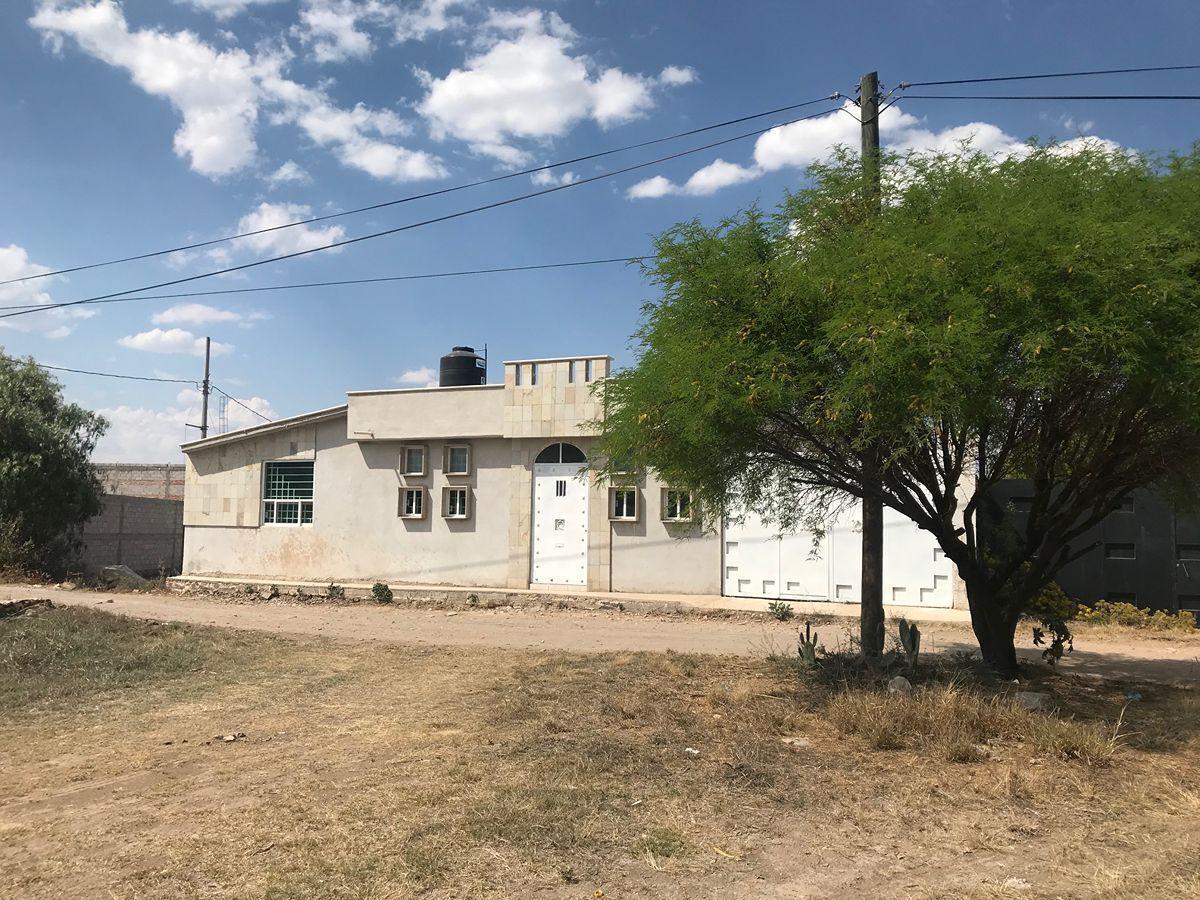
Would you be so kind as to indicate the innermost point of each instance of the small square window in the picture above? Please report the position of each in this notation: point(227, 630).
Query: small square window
point(677, 506)
point(458, 459)
point(412, 460)
point(456, 503)
point(623, 504)
point(412, 503)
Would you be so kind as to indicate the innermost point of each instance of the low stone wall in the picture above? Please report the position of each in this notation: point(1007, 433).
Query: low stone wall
point(144, 533)
point(256, 591)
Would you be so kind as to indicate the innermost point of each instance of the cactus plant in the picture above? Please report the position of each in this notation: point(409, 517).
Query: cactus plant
point(807, 648)
point(910, 641)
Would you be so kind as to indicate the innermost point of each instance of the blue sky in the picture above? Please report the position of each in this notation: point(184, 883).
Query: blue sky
point(136, 126)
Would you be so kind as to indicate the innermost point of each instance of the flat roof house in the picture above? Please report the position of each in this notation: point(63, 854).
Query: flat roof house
point(484, 485)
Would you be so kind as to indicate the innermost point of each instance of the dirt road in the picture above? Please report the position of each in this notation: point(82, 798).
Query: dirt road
point(588, 631)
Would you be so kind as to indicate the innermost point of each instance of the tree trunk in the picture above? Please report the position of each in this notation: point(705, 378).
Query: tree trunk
point(994, 630)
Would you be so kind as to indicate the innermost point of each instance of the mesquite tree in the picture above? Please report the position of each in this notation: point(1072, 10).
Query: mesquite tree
point(48, 485)
point(1035, 317)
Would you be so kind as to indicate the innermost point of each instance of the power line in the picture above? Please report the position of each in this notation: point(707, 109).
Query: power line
point(908, 84)
point(443, 218)
point(441, 191)
point(240, 403)
point(113, 375)
point(1052, 97)
point(348, 281)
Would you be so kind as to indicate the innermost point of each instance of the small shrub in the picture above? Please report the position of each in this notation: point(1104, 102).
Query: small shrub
point(381, 592)
point(781, 610)
point(1130, 616)
point(335, 592)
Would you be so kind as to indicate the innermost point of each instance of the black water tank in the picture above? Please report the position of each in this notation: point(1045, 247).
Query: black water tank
point(460, 366)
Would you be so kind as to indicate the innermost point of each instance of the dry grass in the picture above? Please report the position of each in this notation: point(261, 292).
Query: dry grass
point(958, 723)
point(391, 772)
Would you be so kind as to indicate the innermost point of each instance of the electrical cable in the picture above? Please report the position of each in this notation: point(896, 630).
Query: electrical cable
point(348, 281)
point(436, 193)
point(436, 219)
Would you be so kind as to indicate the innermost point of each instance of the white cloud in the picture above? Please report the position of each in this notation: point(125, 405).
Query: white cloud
point(144, 434)
point(651, 188)
point(526, 83)
point(286, 240)
point(677, 75)
point(288, 173)
point(226, 9)
point(800, 144)
point(221, 94)
point(53, 323)
point(338, 30)
point(422, 377)
point(172, 340)
point(547, 178)
point(203, 314)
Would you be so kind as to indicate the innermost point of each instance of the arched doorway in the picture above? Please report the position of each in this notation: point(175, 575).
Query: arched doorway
point(560, 513)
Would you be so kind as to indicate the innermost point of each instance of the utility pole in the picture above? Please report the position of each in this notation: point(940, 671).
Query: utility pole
point(871, 622)
point(204, 388)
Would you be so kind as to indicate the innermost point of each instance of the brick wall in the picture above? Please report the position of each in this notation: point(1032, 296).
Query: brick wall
point(141, 522)
point(161, 480)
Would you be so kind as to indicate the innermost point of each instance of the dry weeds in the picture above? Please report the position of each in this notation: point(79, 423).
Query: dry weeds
point(388, 772)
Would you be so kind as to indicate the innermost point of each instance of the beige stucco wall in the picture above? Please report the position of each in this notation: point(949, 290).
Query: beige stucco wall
point(471, 411)
point(357, 533)
point(653, 556)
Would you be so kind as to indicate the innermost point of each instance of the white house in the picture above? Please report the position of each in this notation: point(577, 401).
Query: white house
point(485, 485)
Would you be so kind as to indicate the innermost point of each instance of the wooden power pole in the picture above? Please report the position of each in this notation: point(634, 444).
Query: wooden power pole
point(204, 390)
point(871, 622)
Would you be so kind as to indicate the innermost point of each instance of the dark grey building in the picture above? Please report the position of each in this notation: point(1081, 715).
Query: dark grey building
point(1145, 553)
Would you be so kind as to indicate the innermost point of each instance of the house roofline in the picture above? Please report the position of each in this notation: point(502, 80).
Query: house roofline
point(552, 359)
point(232, 437)
point(418, 390)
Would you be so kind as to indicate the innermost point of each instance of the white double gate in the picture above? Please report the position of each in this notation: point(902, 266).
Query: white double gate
point(759, 561)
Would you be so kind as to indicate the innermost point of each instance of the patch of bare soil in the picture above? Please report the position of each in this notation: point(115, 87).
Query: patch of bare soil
point(402, 771)
point(1107, 652)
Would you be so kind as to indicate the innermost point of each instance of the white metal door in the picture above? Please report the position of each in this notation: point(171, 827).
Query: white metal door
point(560, 505)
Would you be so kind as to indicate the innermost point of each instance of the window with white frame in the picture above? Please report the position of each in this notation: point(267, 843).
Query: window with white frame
point(623, 504)
point(412, 503)
point(412, 459)
point(457, 460)
point(677, 505)
point(456, 502)
point(287, 497)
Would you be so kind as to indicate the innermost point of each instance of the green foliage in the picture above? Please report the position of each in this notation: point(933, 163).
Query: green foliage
point(781, 610)
point(335, 592)
point(48, 485)
point(910, 641)
point(1036, 317)
point(1130, 616)
point(381, 592)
